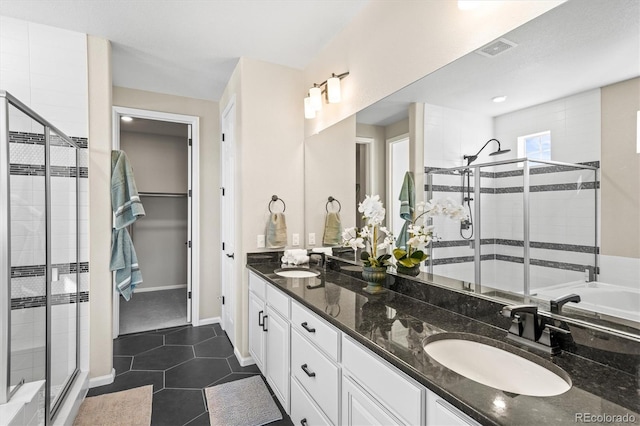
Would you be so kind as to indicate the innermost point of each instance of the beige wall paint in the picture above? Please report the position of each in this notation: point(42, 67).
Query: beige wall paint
point(100, 285)
point(270, 161)
point(209, 180)
point(620, 170)
point(392, 44)
point(329, 162)
point(160, 162)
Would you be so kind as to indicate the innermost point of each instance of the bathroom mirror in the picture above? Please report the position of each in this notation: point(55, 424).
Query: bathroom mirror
point(572, 72)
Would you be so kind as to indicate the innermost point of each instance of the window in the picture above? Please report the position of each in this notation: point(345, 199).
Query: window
point(536, 146)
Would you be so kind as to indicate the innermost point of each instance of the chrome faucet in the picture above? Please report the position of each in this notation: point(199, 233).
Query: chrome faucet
point(323, 259)
point(529, 329)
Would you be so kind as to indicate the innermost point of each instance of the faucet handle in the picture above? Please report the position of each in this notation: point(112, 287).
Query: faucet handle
point(558, 303)
point(510, 311)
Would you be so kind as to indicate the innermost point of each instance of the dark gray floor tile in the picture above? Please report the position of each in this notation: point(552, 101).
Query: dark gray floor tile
point(122, 364)
point(217, 347)
point(196, 373)
point(162, 358)
point(218, 329)
point(130, 380)
point(190, 335)
point(136, 344)
point(201, 420)
point(176, 407)
point(236, 368)
point(286, 420)
point(232, 378)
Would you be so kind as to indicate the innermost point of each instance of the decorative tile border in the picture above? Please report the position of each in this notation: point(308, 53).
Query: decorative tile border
point(38, 139)
point(519, 189)
point(39, 170)
point(39, 270)
point(536, 170)
point(519, 243)
point(56, 299)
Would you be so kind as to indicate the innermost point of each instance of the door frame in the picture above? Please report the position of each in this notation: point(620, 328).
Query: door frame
point(389, 173)
point(194, 121)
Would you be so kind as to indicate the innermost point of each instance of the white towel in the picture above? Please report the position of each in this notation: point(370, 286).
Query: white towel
point(326, 250)
point(301, 260)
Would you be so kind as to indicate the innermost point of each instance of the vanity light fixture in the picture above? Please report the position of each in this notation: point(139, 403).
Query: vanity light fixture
point(499, 99)
point(126, 118)
point(331, 87)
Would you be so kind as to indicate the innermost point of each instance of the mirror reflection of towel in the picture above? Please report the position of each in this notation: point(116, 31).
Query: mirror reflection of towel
point(332, 230)
point(407, 203)
point(276, 231)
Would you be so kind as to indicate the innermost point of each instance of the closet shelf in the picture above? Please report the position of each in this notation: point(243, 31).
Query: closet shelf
point(162, 194)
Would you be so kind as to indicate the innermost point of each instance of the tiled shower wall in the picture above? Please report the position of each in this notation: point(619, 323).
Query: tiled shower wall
point(562, 202)
point(46, 69)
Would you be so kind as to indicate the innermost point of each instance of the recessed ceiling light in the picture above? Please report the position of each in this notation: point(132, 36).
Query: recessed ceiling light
point(499, 99)
point(126, 118)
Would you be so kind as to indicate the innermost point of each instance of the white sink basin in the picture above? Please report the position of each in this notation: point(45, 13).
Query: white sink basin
point(496, 367)
point(297, 273)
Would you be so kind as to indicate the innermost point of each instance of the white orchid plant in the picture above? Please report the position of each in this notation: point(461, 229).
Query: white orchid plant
point(422, 234)
point(373, 237)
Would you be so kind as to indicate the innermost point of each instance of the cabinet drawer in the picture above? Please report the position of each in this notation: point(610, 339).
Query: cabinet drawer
point(303, 411)
point(317, 375)
point(278, 301)
point(395, 391)
point(257, 285)
point(315, 329)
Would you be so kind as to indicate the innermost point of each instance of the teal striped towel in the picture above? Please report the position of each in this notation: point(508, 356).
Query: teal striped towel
point(125, 263)
point(125, 201)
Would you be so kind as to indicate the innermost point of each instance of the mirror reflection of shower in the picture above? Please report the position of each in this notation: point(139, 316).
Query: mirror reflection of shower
point(466, 226)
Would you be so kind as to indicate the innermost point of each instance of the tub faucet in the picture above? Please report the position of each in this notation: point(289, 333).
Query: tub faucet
point(557, 304)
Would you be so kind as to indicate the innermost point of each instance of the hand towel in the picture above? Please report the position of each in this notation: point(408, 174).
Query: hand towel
point(124, 262)
point(301, 260)
point(125, 201)
point(332, 230)
point(407, 204)
point(326, 250)
point(276, 231)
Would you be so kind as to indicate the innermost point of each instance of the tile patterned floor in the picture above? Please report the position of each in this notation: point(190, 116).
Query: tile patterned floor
point(179, 362)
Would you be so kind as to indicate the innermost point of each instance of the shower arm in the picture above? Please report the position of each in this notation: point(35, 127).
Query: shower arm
point(471, 158)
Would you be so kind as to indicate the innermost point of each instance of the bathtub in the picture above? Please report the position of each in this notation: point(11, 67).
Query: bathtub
point(609, 299)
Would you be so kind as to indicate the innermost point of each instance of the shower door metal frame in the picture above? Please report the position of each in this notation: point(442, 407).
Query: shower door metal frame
point(526, 212)
point(5, 261)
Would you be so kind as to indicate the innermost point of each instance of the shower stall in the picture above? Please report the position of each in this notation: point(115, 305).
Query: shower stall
point(532, 225)
point(39, 260)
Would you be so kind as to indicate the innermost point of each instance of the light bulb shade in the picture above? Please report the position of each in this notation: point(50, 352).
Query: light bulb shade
point(309, 111)
point(315, 93)
point(333, 90)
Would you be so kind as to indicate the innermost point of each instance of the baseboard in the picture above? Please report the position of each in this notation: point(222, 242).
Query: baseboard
point(76, 395)
point(209, 321)
point(165, 287)
point(107, 379)
point(244, 361)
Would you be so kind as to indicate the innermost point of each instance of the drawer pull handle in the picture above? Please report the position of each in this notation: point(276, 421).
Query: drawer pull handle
point(264, 323)
point(260, 320)
point(306, 370)
point(306, 327)
point(303, 422)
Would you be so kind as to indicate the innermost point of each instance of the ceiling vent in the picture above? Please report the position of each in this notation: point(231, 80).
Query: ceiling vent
point(496, 47)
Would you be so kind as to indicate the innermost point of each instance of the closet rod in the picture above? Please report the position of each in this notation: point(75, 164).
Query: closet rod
point(162, 194)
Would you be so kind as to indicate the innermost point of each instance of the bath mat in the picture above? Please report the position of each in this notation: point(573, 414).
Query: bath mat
point(245, 402)
point(129, 407)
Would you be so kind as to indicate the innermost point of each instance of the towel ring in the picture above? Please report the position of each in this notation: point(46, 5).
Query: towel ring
point(331, 200)
point(275, 198)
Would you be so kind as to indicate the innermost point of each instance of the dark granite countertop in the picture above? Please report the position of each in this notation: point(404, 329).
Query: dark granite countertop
point(394, 326)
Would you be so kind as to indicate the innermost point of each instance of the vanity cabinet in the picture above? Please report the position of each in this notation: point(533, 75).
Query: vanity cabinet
point(269, 335)
point(359, 408)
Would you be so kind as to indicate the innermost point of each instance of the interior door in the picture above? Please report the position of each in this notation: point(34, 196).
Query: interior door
point(189, 223)
point(227, 191)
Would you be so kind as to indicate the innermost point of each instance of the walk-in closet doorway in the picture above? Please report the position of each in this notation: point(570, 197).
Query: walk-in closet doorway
point(163, 151)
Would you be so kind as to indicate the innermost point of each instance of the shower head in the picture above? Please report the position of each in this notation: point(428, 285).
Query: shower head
point(471, 158)
point(500, 151)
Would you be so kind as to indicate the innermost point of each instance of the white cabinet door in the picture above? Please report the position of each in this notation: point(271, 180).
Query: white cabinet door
point(277, 356)
point(358, 409)
point(257, 336)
